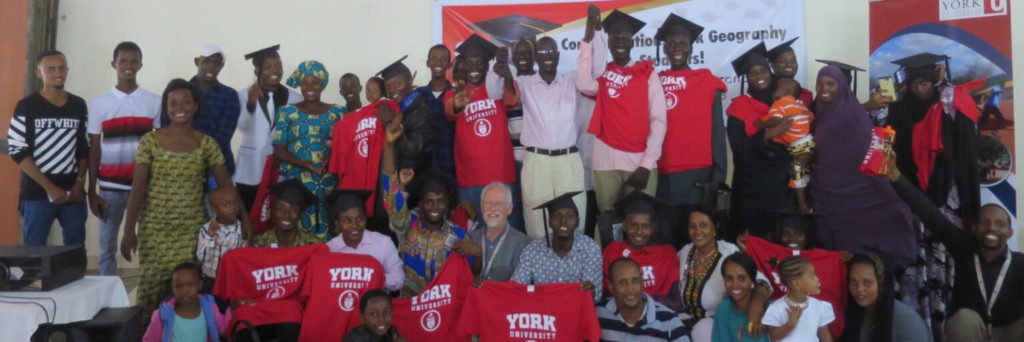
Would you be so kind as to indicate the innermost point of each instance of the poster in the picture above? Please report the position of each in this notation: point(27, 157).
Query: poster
point(976, 36)
point(730, 27)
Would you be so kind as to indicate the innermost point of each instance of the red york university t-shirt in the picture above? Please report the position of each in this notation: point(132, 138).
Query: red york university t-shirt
point(506, 311)
point(272, 277)
point(659, 265)
point(828, 265)
point(483, 146)
point(356, 147)
point(334, 284)
point(431, 316)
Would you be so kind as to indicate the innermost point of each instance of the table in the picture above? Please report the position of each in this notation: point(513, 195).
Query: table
point(74, 302)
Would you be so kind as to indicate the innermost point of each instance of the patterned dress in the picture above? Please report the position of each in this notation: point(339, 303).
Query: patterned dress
point(168, 228)
point(269, 239)
point(308, 137)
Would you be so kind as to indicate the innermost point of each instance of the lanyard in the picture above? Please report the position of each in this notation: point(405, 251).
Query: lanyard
point(999, 282)
point(494, 253)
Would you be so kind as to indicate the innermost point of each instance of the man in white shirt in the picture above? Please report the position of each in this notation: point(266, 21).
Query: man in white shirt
point(118, 120)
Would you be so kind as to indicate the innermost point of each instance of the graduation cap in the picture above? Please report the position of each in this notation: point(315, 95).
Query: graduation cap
point(922, 65)
point(559, 202)
point(435, 181)
point(799, 220)
point(506, 30)
point(293, 192)
point(618, 21)
point(341, 200)
point(753, 57)
point(638, 202)
point(395, 69)
point(675, 25)
point(258, 56)
point(848, 70)
point(476, 46)
point(780, 49)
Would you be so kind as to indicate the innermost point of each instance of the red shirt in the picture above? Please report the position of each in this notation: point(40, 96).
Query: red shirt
point(659, 265)
point(506, 311)
point(689, 98)
point(483, 146)
point(356, 147)
point(431, 315)
point(828, 265)
point(621, 115)
point(334, 284)
point(272, 277)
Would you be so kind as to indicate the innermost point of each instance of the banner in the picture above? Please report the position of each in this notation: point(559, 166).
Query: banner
point(976, 36)
point(730, 27)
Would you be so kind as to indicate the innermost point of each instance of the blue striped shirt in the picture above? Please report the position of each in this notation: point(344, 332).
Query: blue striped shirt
point(659, 323)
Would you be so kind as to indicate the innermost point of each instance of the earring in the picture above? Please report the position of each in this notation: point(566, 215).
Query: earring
point(752, 286)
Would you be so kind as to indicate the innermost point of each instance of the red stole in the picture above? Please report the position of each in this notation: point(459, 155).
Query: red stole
point(356, 148)
point(748, 110)
point(806, 97)
point(689, 96)
point(621, 115)
point(927, 134)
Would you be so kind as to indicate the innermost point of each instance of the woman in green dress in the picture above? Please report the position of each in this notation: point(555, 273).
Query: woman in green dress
point(166, 199)
point(302, 141)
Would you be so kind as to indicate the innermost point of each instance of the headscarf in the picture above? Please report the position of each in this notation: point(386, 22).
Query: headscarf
point(310, 67)
point(765, 95)
point(881, 328)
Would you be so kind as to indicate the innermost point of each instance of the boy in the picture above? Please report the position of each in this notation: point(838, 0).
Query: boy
point(219, 235)
point(186, 317)
point(798, 138)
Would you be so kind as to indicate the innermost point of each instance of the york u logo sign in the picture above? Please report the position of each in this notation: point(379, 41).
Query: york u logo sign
point(964, 9)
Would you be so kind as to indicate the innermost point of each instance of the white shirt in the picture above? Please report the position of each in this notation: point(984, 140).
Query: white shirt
point(117, 109)
point(817, 314)
point(257, 136)
point(714, 286)
point(380, 247)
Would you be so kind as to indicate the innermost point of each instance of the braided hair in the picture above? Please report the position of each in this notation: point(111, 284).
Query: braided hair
point(790, 268)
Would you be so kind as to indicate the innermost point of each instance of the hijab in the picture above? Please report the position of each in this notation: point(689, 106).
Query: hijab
point(310, 67)
point(881, 328)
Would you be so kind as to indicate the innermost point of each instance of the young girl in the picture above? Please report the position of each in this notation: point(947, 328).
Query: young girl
point(799, 317)
point(189, 316)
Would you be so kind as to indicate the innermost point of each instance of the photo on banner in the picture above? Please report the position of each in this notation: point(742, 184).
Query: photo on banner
point(730, 28)
point(975, 35)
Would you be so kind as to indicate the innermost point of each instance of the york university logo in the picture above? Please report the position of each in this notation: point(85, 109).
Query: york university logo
point(364, 148)
point(482, 127)
point(430, 320)
point(347, 300)
point(276, 293)
point(670, 100)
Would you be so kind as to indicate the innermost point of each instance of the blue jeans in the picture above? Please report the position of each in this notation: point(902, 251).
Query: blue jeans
point(38, 216)
point(116, 200)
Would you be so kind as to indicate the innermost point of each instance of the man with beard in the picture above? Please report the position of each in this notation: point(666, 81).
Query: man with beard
point(629, 118)
point(47, 141)
point(693, 99)
point(566, 256)
point(259, 104)
point(988, 288)
point(425, 234)
point(632, 315)
point(413, 149)
point(784, 65)
point(496, 247)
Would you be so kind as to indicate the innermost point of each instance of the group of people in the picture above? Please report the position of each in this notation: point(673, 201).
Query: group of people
point(416, 174)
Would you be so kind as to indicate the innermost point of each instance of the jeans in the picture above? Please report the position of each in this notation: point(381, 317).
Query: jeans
point(38, 216)
point(116, 200)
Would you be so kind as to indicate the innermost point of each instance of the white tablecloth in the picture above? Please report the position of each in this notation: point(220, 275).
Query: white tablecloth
point(77, 301)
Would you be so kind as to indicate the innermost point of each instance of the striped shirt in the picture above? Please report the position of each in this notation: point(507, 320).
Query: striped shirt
point(54, 137)
point(121, 119)
point(789, 107)
point(211, 248)
point(659, 323)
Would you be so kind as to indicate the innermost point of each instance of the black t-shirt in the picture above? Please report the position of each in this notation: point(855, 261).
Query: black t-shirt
point(53, 136)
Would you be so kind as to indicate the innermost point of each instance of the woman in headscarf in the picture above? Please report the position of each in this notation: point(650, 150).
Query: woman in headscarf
point(302, 140)
point(761, 167)
point(854, 212)
point(873, 313)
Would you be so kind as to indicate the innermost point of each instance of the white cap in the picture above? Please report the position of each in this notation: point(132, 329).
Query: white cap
point(210, 50)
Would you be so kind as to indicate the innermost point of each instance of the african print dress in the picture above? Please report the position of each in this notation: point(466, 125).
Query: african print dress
point(168, 228)
point(308, 137)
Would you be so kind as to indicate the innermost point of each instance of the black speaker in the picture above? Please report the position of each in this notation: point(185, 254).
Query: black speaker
point(110, 325)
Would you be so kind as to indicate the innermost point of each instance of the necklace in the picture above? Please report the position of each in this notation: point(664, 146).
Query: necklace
point(693, 286)
point(790, 302)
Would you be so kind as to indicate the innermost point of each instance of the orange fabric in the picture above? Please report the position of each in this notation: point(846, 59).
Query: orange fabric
point(787, 107)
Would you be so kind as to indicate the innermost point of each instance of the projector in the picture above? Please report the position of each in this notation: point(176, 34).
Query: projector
point(40, 268)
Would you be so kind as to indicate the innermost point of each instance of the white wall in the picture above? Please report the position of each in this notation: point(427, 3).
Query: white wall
point(347, 36)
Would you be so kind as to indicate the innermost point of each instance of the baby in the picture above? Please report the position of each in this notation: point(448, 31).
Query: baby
point(798, 139)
